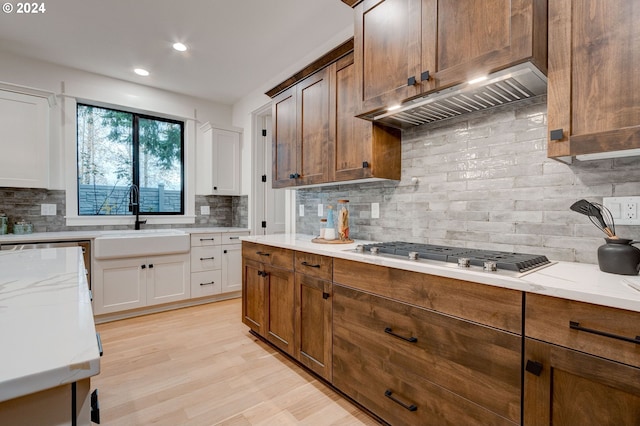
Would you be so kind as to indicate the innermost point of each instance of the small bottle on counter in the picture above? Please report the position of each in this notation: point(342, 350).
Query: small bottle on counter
point(330, 230)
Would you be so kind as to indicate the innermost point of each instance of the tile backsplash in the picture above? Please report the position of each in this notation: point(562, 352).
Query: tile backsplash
point(484, 181)
point(24, 204)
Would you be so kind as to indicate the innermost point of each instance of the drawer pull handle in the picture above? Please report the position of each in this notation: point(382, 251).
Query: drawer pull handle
point(411, 339)
point(534, 367)
point(576, 326)
point(262, 253)
point(310, 265)
point(212, 282)
point(207, 239)
point(234, 238)
point(207, 258)
point(410, 407)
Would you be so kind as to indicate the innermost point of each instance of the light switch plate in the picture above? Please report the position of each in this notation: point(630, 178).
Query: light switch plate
point(625, 210)
point(320, 210)
point(375, 210)
point(205, 210)
point(301, 210)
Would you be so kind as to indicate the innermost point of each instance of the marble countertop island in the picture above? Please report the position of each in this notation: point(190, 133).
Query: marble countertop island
point(47, 332)
point(569, 280)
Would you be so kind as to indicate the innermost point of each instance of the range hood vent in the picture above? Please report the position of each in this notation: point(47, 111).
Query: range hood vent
point(523, 81)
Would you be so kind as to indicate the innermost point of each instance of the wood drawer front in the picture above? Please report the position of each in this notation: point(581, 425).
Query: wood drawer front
point(212, 239)
point(478, 363)
point(548, 319)
point(314, 265)
point(232, 237)
point(274, 256)
point(206, 283)
point(206, 258)
point(485, 304)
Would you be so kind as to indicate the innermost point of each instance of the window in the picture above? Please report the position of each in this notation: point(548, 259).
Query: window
point(118, 149)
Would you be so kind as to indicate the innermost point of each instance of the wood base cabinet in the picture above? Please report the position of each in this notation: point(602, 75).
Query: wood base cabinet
point(581, 363)
point(410, 365)
point(593, 101)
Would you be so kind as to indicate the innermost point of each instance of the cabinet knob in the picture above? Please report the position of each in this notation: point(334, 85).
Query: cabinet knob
point(533, 367)
point(215, 188)
point(425, 76)
point(294, 175)
point(224, 251)
point(151, 266)
point(556, 135)
point(365, 164)
point(411, 81)
point(143, 266)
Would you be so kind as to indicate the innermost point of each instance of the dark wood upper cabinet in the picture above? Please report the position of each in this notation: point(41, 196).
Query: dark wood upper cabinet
point(284, 161)
point(594, 86)
point(405, 48)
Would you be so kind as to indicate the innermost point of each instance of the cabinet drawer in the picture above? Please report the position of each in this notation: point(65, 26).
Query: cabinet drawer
point(478, 363)
point(274, 256)
point(205, 258)
point(206, 283)
point(314, 265)
point(210, 239)
point(232, 237)
point(594, 329)
point(485, 304)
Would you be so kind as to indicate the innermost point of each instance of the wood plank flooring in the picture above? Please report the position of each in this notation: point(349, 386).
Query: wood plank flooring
point(200, 366)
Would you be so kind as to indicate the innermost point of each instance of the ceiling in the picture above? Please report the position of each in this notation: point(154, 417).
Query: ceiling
point(236, 46)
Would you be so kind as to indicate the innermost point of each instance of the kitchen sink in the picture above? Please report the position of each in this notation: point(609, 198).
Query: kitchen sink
point(147, 242)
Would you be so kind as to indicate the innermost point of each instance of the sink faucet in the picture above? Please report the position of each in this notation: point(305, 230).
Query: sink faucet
point(134, 205)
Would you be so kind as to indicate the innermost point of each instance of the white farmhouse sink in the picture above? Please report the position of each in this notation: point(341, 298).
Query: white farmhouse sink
point(147, 242)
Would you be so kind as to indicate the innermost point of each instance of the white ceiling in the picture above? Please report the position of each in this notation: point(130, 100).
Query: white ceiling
point(236, 46)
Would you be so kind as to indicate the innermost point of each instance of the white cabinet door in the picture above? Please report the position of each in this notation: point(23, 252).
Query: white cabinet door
point(231, 268)
point(119, 285)
point(168, 279)
point(218, 162)
point(24, 140)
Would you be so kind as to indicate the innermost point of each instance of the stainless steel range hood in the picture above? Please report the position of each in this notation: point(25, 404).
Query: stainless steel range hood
point(523, 81)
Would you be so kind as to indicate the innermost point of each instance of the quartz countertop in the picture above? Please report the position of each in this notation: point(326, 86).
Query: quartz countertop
point(47, 332)
point(569, 280)
point(90, 234)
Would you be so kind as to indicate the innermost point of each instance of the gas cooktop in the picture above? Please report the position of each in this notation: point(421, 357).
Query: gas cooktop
point(489, 260)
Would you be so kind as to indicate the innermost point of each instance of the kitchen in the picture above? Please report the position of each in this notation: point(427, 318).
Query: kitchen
point(483, 180)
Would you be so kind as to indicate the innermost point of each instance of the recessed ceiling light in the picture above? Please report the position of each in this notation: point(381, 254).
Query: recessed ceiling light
point(141, 72)
point(179, 47)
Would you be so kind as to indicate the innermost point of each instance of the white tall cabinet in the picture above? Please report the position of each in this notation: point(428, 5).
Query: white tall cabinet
point(218, 161)
point(24, 137)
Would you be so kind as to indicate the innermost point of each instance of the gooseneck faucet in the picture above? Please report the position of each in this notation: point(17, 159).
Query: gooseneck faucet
point(134, 205)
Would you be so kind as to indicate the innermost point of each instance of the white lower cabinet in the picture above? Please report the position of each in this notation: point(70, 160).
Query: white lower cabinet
point(123, 284)
point(231, 268)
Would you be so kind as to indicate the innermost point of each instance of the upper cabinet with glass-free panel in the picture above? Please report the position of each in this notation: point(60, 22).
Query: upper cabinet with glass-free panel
point(24, 140)
point(218, 163)
point(406, 48)
point(594, 85)
point(126, 159)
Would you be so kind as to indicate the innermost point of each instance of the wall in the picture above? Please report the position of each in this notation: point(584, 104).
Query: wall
point(24, 204)
point(484, 181)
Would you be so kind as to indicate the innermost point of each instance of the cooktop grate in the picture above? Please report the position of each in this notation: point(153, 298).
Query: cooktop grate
point(519, 262)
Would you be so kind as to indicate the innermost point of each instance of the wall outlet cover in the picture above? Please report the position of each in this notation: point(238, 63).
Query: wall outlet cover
point(375, 210)
point(320, 210)
point(48, 209)
point(625, 210)
point(301, 210)
point(205, 210)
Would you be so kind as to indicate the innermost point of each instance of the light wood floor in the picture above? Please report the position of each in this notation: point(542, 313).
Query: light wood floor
point(200, 366)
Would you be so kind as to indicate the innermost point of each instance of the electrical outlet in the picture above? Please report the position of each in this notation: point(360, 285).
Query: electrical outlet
point(375, 210)
point(301, 210)
point(320, 210)
point(623, 209)
point(47, 209)
point(205, 210)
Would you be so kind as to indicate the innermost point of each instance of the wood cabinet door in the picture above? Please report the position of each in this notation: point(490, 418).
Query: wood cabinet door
point(254, 295)
point(387, 52)
point(313, 309)
point(313, 129)
point(475, 38)
point(284, 160)
point(566, 387)
point(279, 285)
point(594, 86)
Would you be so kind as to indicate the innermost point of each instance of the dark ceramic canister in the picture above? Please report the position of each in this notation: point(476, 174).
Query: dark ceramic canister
point(619, 256)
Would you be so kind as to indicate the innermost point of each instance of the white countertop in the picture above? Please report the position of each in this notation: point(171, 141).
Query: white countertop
point(575, 281)
point(90, 234)
point(47, 332)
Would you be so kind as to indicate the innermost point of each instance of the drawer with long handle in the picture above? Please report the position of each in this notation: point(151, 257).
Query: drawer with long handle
point(274, 256)
point(479, 364)
point(206, 283)
point(212, 239)
point(607, 332)
point(206, 258)
point(315, 265)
